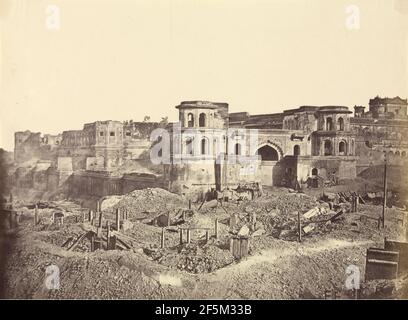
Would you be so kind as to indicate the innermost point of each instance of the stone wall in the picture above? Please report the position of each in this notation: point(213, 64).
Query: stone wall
point(46, 178)
point(341, 167)
point(187, 177)
point(31, 145)
point(197, 177)
point(376, 131)
point(372, 155)
point(302, 120)
point(112, 140)
point(86, 184)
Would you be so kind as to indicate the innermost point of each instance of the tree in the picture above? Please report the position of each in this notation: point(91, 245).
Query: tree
point(164, 120)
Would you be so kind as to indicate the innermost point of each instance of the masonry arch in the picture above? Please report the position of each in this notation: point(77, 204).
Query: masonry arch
point(189, 146)
point(329, 124)
point(340, 124)
point(190, 120)
point(342, 148)
point(268, 153)
point(205, 146)
point(296, 150)
point(328, 148)
point(273, 145)
point(202, 120)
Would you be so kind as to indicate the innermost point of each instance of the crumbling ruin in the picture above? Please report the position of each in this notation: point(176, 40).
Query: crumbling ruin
point(305, 202)
point(313, 146)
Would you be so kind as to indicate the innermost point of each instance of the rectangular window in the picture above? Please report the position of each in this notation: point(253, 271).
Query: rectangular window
point(112, 133)
point(128, 134)
point(101, 133)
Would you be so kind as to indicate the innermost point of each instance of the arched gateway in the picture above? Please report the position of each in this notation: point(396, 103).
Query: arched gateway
point(269, 155)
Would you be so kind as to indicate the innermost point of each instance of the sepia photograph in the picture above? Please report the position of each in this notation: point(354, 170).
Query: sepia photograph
point(197, 150)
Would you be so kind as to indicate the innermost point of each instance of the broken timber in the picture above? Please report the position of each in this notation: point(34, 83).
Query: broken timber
point(337, 215)
point(239, 247)
point(77, 241)
point(188, 233)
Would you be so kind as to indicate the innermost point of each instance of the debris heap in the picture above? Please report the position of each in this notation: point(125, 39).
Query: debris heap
point(194, 258)
point(152, 200)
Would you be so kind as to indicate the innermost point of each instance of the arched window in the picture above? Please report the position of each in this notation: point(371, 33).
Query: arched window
point(340, 124)
point(342, 148)
point(204, 146)
point(190, 120)
point(189, 146)
point(314, 172)
point(329, 124)
point(397, 153)
point(328, 150)
point(296, 150)
point(237, 149)
point(403, 153)
point(201, 120)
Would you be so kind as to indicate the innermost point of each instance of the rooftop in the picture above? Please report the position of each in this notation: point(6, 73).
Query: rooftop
point(379, 100)
point(201, 104)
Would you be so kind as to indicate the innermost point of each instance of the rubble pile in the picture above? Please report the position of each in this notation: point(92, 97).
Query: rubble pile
point(378, 289)
point(145, 235)
point(152, 200)
point(325, 222)
point(203, 222)
point(284, 203)
point(277, 213)
point(264, 231)
point(59, 237)
point(195, 259)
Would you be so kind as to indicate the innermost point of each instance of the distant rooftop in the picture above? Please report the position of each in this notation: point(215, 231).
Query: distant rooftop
point(200, 104)
point(386, 100)
point(338, 109)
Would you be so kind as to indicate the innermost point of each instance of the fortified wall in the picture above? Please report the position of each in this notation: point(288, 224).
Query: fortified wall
point(284, 149)
point(381, 131)
point(81, 159)
point(211, 148)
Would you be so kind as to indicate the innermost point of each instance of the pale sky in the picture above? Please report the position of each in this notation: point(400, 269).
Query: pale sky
point(124, 59)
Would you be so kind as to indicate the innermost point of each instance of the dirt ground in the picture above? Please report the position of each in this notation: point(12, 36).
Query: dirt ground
point(277, 267)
